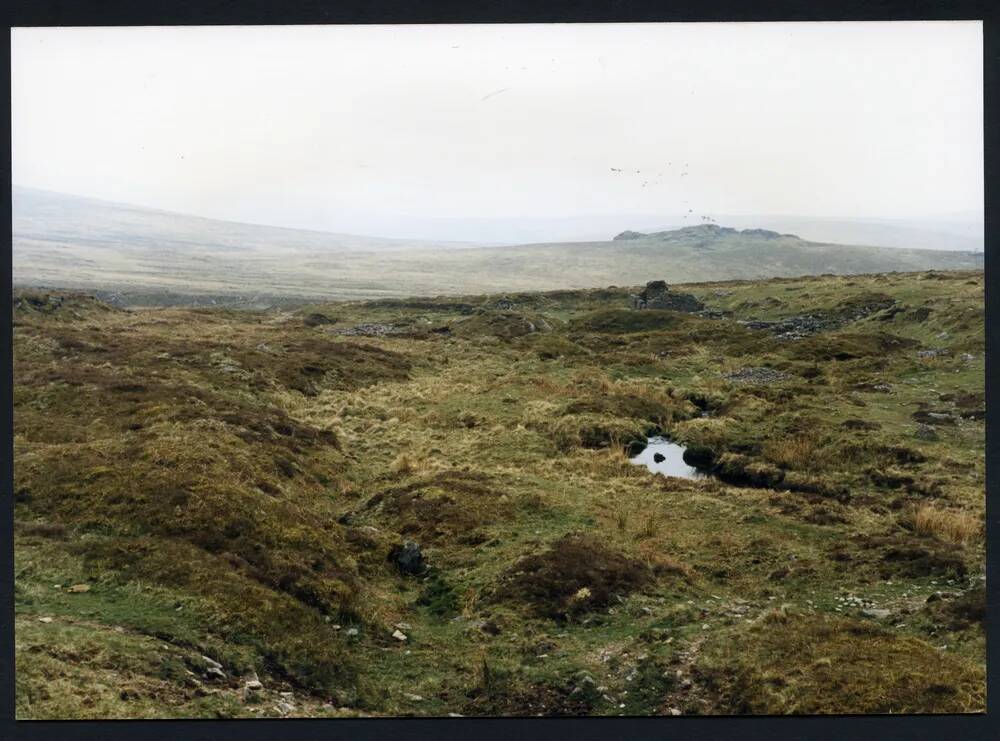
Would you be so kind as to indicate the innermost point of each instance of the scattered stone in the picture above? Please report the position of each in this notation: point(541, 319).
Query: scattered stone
point(79, 588)
point(211, 662)
point(926, 432)
point(793, 327)
point(284, 707)
point(933, 353)
point(413, 698)
point(756, 376)
point(45, 620)
point(967, 357)
point(399, 635)
point(674, 711)
point(351, 632)
point(934, 418)
point(252, 687)
point(370, 330)
point(876, 612)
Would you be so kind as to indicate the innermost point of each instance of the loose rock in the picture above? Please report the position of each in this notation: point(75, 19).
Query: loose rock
point(408, 558)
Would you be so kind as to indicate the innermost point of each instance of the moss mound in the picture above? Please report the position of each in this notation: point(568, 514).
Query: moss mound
point(578, 573)
point(625, 321)
point(808, 664)
point(505, 325)
point(850, 346)
point(596, 431)
point(448, 506)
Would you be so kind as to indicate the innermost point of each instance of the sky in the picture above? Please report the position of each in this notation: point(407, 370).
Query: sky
point(389, 130)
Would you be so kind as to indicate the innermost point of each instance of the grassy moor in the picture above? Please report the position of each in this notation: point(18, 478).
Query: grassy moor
point(426, 506)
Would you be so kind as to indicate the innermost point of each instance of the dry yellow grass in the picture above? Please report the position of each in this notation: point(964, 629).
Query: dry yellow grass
point(402, 464)
point(951, 526)
point(797, 452)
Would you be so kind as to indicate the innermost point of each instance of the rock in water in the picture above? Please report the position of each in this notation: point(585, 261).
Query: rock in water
point(408, 558)
point(659, 457)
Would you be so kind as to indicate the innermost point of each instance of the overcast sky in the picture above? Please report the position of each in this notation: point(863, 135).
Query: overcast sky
point(343, 128)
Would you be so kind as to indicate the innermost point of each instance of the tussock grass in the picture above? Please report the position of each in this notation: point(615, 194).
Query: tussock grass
point(949, 526)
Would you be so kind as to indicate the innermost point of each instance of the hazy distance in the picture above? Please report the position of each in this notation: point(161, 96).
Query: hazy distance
point(514, 134)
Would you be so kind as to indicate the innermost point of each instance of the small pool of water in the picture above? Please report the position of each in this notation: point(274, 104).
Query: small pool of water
point(667, 458)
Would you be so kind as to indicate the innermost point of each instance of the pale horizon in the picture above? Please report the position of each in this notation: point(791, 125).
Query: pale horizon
point(426, 131)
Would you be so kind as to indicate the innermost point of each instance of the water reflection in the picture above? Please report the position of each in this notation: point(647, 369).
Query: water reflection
point(667, 458)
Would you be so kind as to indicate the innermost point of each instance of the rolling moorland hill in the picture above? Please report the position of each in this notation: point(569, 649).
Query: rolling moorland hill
point(212, 507)
point(156, 257)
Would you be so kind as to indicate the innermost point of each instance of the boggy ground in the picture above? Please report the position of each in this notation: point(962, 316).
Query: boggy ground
point(208, 497)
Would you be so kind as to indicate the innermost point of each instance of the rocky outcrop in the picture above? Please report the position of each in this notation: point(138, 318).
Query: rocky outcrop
point(629, 235)
point(702, 232)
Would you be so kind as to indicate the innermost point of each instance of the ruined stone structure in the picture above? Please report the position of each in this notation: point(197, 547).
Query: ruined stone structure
point(657, 295)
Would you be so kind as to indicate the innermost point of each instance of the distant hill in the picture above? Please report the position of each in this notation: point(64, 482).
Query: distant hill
point(963, 233)
point(67, 241)
point(45, 216)
point(959, 231)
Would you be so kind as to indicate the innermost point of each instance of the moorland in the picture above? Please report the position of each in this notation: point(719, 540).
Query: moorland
point(426, 506)
point(139, 256)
